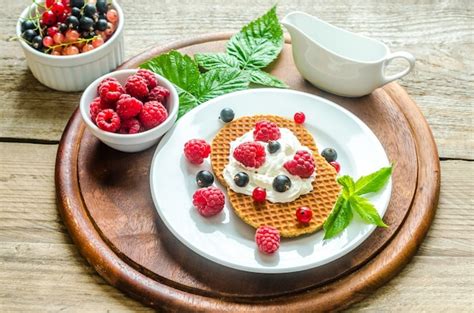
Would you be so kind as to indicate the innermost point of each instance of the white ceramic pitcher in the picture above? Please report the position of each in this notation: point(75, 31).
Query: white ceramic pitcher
point(339, 61)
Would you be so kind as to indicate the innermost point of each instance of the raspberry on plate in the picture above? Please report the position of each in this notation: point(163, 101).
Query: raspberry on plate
point(130, 126)
point(159, 94)
point(196, 150)
point(152, 114)
point(209, 201)
point(250, 154)
point(267, 239)
point(149, 77)
point(137, 87)
point(96, 106)
point(266, 131)
point(128, 107)
point(108, 120)
point(302, 164)
point(110, 91)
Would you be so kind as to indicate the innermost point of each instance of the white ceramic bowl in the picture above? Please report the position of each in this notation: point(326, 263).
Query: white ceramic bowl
point(75, 72)
point(130, 142)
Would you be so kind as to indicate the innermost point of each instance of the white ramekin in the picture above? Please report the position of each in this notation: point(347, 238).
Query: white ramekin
point(130, 142)
point(75, 72)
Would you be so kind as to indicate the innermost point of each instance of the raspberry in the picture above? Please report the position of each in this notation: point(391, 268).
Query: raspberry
point(302, 164)
point(266, 131)
point(196, 150)
point(96, 106)
point(128, 107)
point(149, 77)
point(159, 94)
point(267, 239)
point(136, 86)
point(209, 201)
point(250, 154)
point(110, 91)
point(153, 114)
point(130, 126)
point(105, 80)
point(108, 120)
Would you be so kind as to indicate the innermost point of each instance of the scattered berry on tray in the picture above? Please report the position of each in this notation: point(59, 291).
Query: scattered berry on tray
point(241, 179)
point(336, 166)
point(259, 195)
point(267, 239)
point(227, 115)
point(266, 131)
point(204, 179)
point(62, 27)
point(273, 146)
point(299, 117)
point(250, 154)
point(196, 150)
point(329, 154)
point(281, 183)
point(134, 116)
point(304, 214)
point(302, 164)
point(209, 201)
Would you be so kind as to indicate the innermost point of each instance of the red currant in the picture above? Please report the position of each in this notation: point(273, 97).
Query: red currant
point(299, 118)
point(62, 18)
point(58, 8)
point(50, 3)
point(304, 214)
point(53, 30)
point(112, 16)
point(66, 2)
point(71, 50)
point(49, 18)
point(259, 194)
point(58, 38)
point(97, 42)
point(72, 35)
point(336, 165)
point(48, 41)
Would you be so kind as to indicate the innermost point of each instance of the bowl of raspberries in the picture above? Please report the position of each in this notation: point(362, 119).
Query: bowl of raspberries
point(69, 43)
point(130, 110)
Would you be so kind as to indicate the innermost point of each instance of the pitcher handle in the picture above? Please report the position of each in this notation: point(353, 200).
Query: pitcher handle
point(400, 54)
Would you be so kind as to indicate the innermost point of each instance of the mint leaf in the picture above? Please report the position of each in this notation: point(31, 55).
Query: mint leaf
point(373, 182)
point(340, 217)
point(366, 210)
point(258, 43)
point(263, 78)
point(212, 61)
point(348, 186)
point(218, 82)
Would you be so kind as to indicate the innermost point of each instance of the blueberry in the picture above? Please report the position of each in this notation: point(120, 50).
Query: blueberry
point(27, 24)
point(273, 146)
point(241, 179)
point(86, 23)
point(90, 10)
point(101, 25)
point(281, 183)
point(72, 22)
point(329, 154)
point(76, 12)
point(29, 34)
point(77, 3)
point(204, 178)
point(227, 115)
point(37, 42)
point(101, 6)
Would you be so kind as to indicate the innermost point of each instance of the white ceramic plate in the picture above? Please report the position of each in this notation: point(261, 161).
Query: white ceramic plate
point(227, 240)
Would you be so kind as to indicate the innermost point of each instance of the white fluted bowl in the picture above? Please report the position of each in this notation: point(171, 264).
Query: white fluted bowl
point(75, 72)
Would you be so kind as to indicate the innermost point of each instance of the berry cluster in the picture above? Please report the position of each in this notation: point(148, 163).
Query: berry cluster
point(68, 27)
point(130, 109)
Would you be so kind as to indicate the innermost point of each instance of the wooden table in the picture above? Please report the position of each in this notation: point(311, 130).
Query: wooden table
point(40, 268)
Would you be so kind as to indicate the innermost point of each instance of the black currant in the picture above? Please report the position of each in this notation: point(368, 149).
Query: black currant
point(204, 179)
point(77, 4)
point(90, 10)
point(86, 23)
point(29, 34)
point(227, 115)
point(329, 154)
point(281, 183)
point(37, 42)
point(101, 25)
point(62, 27)
point(241, 179)
point(273, 146)
point(27, 24)
point(76, 12)
point(101, 6)
point(72, 22)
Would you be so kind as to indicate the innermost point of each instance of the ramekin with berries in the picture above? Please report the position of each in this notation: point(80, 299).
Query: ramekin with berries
point(130, 110)
point(69, 43)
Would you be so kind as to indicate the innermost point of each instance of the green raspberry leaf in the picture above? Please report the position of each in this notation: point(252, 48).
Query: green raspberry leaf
point(212, 61)
point(366, 211)
point(373, 182)
point(221, 81)
point(263, 78)
point(340, 217)
point(258, 43)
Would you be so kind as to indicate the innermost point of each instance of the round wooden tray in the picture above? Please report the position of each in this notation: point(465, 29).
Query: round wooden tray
point(104, 198)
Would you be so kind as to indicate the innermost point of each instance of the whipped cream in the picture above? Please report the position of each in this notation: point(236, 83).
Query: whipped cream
point(264, 175)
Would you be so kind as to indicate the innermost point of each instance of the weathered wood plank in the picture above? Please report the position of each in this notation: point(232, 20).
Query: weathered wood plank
point(439, 34)
point(43, 270)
